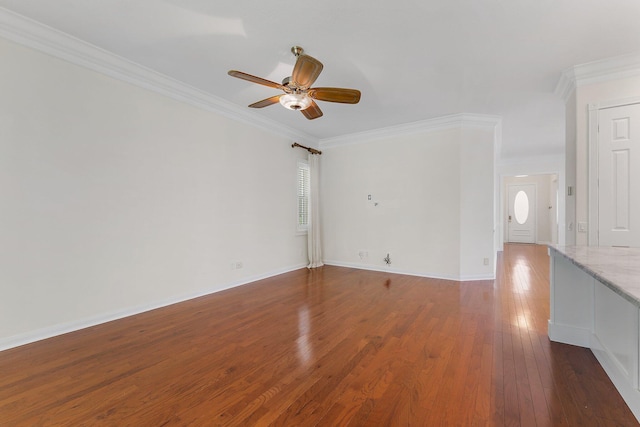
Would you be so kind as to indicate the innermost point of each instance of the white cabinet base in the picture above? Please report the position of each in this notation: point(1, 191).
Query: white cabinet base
point(630, 394)
point(588, 313)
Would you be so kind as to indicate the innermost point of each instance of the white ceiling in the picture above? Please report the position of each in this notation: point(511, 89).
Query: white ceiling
point(412, 59)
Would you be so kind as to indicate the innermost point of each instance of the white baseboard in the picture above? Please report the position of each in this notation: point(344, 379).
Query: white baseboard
point(476, 277)
point(630, 395)
point(409, 273)
point(55, 330)
point(569, 335)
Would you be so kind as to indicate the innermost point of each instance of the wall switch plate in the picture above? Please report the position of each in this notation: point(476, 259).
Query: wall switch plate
point(486, 261)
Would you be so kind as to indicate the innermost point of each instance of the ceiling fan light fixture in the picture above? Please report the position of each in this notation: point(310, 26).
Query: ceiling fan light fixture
point(298, 91)
point(295, 101)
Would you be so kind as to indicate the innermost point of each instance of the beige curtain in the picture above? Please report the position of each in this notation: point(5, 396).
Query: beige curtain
point(314, 232)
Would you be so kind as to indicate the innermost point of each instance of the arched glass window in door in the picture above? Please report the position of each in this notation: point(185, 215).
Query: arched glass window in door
point(521, 207)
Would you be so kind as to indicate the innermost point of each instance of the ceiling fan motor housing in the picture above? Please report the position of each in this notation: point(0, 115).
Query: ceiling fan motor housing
point(295, 101)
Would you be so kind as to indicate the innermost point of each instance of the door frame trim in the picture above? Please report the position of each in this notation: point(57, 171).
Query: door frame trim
point(592, 172)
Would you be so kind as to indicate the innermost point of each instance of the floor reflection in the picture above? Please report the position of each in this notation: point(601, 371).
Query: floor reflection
point(305, 349)
point(522, 275)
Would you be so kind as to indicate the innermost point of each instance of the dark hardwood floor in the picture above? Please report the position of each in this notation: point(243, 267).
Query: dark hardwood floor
point(329, 347)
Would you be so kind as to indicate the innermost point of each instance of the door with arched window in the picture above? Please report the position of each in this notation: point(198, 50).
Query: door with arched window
point(521, 213)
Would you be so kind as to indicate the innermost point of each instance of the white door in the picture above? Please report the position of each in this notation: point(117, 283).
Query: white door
point(521, 213)
point(619, 176)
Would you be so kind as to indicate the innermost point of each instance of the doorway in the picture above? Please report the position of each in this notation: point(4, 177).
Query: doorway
point(544, 204)
point(618, 176)
point(521, 213)
point(554, 202)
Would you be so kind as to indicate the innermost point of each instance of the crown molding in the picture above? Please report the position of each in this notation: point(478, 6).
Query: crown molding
point(35, 35)
point(566, 85)
point(615, 68)
point(462, 120)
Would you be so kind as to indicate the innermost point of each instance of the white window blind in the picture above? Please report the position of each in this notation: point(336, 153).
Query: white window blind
point(303, 196)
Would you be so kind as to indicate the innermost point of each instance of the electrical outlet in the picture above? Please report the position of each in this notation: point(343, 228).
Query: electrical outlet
point(582, 227)
point(363, 254)
point(486, 261)
point(239, 265)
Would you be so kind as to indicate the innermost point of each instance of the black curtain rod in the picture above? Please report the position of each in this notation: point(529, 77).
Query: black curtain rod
point(309, 149)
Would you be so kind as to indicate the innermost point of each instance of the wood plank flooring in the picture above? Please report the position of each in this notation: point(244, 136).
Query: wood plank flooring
point(328, 347)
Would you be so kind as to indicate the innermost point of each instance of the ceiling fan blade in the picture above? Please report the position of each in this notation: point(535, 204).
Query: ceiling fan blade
point(335, 94)
point(313, 111)
point(266, 102)
point(306, 71)
point(254, 79)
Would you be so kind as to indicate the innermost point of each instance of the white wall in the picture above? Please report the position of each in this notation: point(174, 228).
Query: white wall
point(569, 226)
point(434, 196)
point(116, 199)
point(477, 203)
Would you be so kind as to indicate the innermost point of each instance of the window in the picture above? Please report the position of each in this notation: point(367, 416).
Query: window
point(303, 196)
point(521, 207)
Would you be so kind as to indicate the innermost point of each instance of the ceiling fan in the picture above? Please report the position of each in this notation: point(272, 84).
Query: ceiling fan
point(298, 93)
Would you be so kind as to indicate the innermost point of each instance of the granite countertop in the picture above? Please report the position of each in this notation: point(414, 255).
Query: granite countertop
point(618, 268)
